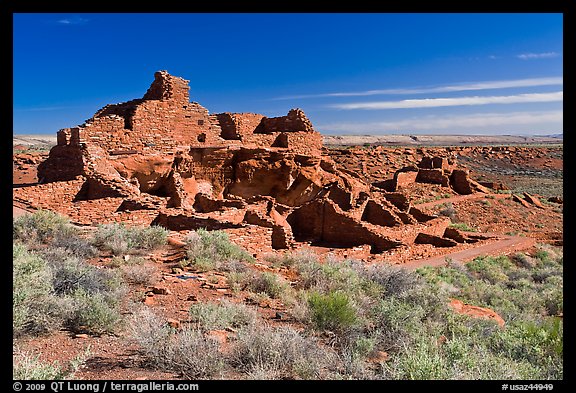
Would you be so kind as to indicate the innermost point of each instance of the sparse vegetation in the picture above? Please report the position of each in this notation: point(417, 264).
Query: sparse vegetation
point(53, 285)
point(210, 316)
point(211, 250)
point(189, 352)
point(281, 352)
point(41, 227)
point(63, 292)
point(346, 312)
point(120, 239)
point(28, 367)
point(462, 226)
point(333, 311)
point(448, 210)
point(268, 283)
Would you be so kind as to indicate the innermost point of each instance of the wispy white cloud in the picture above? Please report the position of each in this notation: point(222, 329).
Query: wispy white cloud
point(72, 21)
point(469, 86)
point(453, 123)
point(45, 108)
point(531, 56)
point(455, 101)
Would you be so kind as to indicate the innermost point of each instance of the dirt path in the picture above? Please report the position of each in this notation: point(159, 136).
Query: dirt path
point(505, 245)
point(460, 198)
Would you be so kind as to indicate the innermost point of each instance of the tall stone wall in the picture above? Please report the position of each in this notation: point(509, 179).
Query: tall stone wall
point(165, 122)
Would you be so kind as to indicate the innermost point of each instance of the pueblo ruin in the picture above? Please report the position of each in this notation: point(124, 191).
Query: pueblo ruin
point(267, 181)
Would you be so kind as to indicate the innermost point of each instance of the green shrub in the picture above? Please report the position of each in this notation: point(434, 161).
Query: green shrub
point(236, 280)
point(140, 274)
point(210, 250)
point(492, 269)
point(42, 226)
point(28, 367)
point(534, 341)
point(93, 313)
point(211, 316)
point(279, 353)
point(55, 289)
point(397, 323)
point(32, 293)
point(422, 361)
point(189, 351)
point(461, 226)
point(332, 311)
point(120, 239)
point(70, 273)
point(267, 283)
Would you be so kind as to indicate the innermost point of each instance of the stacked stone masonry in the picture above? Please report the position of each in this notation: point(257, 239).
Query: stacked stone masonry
point(163, 160)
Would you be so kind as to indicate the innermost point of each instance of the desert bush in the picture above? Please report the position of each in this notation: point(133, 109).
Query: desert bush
point(54, 288)
point(462, 226)
point(233, 266)
point(278, 353)
point(332, 275)
point(420, 361)
point(94, 313)
point(533, 341)
point(211, 316)
point(332, 311)
point(210, 250)
point(70, 273)
point(42, 226)
point(194, 355)
point(491, 269)
point(120, 239)
point(448, 211)
point(397, 323)
point(292, 259)
point(33, 300)
point(393, 281)
point(26, 366)
point(188, 351)
point(268, 283)
point(236, 280)
point(140, 274)
point(76, 245)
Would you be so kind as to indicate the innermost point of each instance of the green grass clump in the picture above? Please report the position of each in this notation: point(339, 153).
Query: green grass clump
point(461, 226)
point(211, 250)
point(333, 311)
point(29, 367)
point(120, 239)
point(42, 226)
point(268, 283)
point(32, 293)
point(53, 288)
point(211, 316)
point(188, 352)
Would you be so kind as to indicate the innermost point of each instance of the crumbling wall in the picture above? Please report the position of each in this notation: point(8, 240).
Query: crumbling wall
point(377, 214)
point(294, 121)
point(238, 126)
point(322, 221)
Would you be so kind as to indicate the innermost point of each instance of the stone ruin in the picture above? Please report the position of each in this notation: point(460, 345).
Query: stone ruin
point(167, 161)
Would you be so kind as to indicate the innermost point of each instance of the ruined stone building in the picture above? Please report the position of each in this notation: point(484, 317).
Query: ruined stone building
point(164, 160)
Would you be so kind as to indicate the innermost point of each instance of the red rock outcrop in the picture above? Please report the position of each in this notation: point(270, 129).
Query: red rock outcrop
point(164, 160)
point(476, 312)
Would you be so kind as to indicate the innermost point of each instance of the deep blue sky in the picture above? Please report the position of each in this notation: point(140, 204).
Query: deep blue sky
point(351, 73)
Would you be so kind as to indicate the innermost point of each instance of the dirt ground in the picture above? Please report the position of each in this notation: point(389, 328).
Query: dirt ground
point(503, 225)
